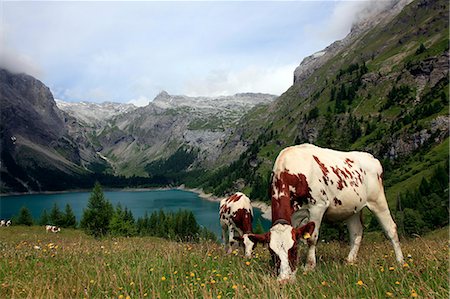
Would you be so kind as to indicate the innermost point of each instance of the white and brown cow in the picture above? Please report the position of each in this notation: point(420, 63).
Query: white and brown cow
point(236, 215)
point(52, 228)
point(309, 183)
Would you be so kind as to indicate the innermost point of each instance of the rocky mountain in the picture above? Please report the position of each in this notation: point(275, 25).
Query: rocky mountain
point(93, 114)
point(172, 123)
point(36, 146)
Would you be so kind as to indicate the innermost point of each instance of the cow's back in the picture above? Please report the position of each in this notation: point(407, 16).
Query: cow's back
point(344, 181)
point(233, 207)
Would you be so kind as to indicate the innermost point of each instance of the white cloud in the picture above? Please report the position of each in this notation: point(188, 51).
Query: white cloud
point(347, 13)
point(273, 80)
point(140, 101)
point(14, 61)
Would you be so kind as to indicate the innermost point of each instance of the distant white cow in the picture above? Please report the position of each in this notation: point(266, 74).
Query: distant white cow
point(2, 222)
point(8, 223)
point(52, 228)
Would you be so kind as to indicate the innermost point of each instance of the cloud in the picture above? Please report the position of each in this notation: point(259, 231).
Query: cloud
point(141, 101)
point(347, 13)
point(273, 80)
point(18, 63)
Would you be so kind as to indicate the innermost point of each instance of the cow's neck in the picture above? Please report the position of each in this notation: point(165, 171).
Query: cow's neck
point(281, 210)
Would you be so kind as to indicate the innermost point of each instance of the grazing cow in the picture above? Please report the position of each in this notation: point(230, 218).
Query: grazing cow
point(8, 223)
point(2, 222)
point(52, 228)
point(309, 183)
point(236, 215)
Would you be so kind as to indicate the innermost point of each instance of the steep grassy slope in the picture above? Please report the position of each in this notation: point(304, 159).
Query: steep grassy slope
point(35, 264)
point(386, 93)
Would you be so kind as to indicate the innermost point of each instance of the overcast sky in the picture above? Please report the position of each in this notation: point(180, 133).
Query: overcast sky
point(130, 51)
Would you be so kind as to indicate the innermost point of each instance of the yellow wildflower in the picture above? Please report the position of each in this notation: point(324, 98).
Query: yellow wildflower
point(192, 274)
point(92, 281)
point(391, 268)
point(414, 294)
point(405, 265)
point(324, 283)
point(360, 282)
point(247, 263)
point(131, 284)
point(225, 278)
point(175, 272)
point(389, 294)
point(145, 294)
point(202, 285)
point(120, 296)
point(234, 287)
point(213, 281)
point(219, 296)
point(127, 297)
point(163, 278)
point(397, 282)
point(381, 269)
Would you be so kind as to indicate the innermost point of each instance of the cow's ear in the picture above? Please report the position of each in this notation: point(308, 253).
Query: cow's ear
point(305, 231)
point(260, 238)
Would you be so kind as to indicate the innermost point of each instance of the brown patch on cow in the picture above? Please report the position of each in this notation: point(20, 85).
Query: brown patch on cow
point(337, 202)
point(242, 218)
point(359, 177)
point(224, 209)
point(233, 198)
point(283, 207)
point(348, 172)
point(349, 162)
point(322, 166)
point(341, 182)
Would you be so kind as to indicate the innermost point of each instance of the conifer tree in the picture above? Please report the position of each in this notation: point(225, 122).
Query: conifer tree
point(69, 219)
point(56, 216)
point(44, 218)
point(97, 216)
point(24, 217)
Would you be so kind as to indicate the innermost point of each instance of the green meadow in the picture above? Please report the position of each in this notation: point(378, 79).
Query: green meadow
point(36, 264)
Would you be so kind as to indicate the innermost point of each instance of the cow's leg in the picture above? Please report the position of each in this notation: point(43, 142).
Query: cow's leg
point(381, 210)
point(316, 217)
point(225, 238)
point(231, 238)
point(355, 229)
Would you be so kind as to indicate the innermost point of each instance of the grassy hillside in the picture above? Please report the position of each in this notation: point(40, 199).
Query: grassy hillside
point(35, 264)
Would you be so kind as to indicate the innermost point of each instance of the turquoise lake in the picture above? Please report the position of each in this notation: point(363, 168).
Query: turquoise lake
point(139, 202)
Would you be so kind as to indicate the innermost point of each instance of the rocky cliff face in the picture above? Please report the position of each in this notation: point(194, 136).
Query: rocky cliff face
point(374, 18)
point(35, 139)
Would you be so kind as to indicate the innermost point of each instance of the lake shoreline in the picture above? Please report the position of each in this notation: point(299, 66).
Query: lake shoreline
point(265, 208)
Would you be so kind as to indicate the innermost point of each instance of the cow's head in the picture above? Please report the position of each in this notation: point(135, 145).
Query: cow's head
point(283, 240)
point(250, 241)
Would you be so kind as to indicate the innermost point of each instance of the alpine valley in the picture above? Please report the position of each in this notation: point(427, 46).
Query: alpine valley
point(381, 89)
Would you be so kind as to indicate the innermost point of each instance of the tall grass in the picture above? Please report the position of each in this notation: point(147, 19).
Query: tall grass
point(35, 264)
